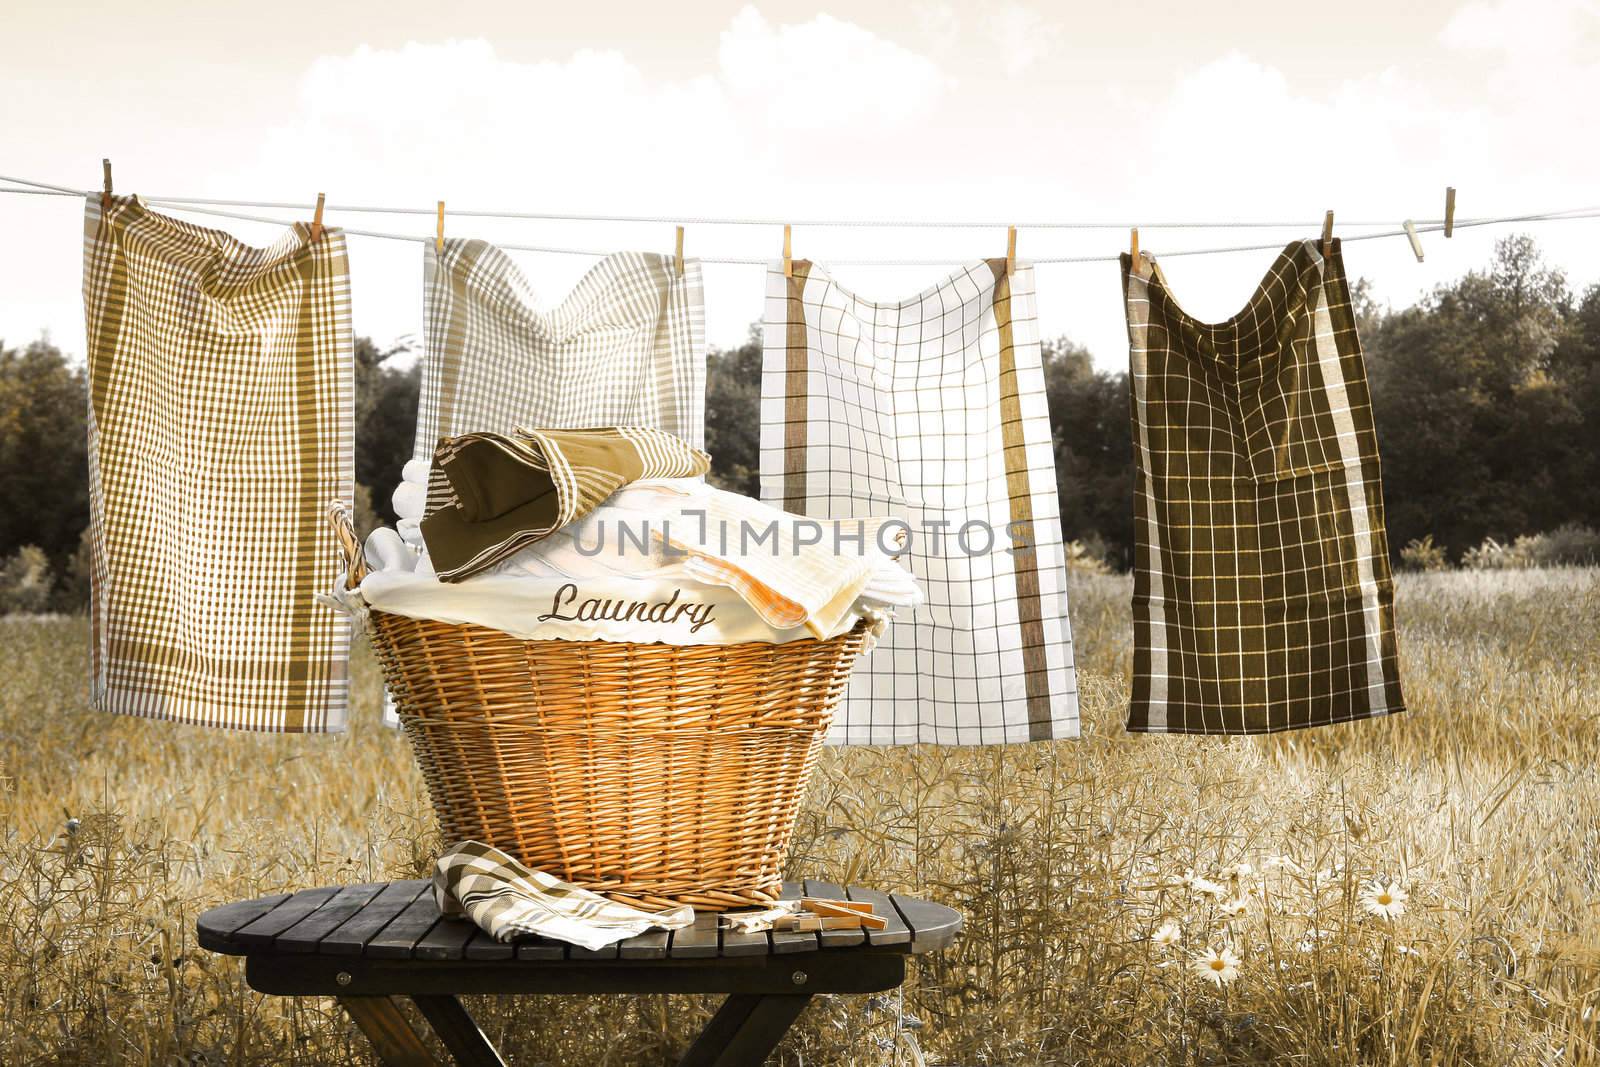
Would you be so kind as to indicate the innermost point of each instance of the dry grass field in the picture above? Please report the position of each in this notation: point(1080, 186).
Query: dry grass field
point(1482, 805)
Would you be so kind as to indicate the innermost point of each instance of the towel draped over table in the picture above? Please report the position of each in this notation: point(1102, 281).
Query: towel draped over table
point(1262, 594)
point(508, 900)
point(931, 410)
point(220, 425)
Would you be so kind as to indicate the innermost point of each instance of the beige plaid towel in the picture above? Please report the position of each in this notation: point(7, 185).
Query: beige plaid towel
point(507, 900)
point(220, 425)
point(491, 494)
point(1262, 596)
point(625, 348)
point(931, 410)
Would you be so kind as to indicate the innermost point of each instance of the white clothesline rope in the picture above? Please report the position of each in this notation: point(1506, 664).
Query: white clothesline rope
point(213, 207)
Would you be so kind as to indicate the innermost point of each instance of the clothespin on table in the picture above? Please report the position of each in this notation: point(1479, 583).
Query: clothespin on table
point(1133, 252)
point(316, 220)
point(1449, 210)
point(860, 910)
point(1411, 235)
point(1011, 250)
point(105, 197)
point(1327, 234)
point(677, 256)
point(438, 233)
point(788, 263)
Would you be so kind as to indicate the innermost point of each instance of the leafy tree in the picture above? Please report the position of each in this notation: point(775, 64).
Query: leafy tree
point(43, 448)
point(1093, 444)
point(386, 423)
point(733, 416)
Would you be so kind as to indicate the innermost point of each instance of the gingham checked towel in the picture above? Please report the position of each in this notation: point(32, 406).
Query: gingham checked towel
point(1262, 594)
point(220, 425)
point(507, 900)
point(491, 494)
point(625, 348)
point(931, 410)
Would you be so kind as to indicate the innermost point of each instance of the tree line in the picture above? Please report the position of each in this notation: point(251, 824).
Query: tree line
point(1486, 394)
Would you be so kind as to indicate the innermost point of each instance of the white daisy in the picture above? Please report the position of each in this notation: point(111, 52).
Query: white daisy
point(1167, 935)
point(1216, 965)
point(1386, 900)
point(1236, 908)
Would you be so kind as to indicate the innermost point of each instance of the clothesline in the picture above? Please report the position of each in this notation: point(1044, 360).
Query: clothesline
point(214, 207)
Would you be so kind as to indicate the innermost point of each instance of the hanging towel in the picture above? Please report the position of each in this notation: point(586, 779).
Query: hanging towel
point(508, 900)
point(1262, 595)
point(220, 425)
point(625, 348)
point(491, 494)
point(932, 410)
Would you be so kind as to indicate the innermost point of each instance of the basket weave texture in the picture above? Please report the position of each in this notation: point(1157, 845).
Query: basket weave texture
point(656, 774)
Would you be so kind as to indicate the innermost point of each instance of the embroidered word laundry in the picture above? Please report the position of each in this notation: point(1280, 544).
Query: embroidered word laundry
point(598, 609)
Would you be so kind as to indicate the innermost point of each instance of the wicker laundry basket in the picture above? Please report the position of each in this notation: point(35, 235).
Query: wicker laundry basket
point(656, 774)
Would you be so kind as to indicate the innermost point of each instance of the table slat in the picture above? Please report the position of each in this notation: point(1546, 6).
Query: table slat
point(650, 945)
point(786, 941)
point(541, 948)
point(447, 940)
point(400, 937)
point(484, 947)
point(305, 935)
point(269, 926)
point(695, 942)
point(354, 933)
point(933, 926)
point(217, 925)
point(896, 932)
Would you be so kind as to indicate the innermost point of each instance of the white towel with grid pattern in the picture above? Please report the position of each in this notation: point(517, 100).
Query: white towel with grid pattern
point(932, 410)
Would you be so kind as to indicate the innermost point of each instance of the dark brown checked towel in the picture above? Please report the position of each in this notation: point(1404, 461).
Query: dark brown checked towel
point(1262, 594)
point(490, 495)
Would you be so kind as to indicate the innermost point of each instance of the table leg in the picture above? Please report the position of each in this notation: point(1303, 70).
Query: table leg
point(745, 1030)
point(392, 1037)
point(449, 1019)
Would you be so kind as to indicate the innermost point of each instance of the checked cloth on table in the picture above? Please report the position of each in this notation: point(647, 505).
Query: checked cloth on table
point(1262, 594)
point(508, 900)
point(491, 494)
point(220, 425)
point(931, 411)
point(625, 348)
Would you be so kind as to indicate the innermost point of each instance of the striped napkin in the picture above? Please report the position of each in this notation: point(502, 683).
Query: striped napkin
point(507, 900)
point(1262, 594)
point(221, 422)
point(625, 348)
point(491, 494)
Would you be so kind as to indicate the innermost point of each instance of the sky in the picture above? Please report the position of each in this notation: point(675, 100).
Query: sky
point(1001, 112)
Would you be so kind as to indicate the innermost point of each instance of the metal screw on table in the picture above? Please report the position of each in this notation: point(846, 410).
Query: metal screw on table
point(798, 978)
point(343, 978)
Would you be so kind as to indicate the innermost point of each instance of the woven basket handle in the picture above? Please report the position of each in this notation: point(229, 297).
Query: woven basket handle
point(344, 529)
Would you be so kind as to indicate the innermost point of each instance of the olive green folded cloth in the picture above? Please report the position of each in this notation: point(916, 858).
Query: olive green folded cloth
point(490, 494)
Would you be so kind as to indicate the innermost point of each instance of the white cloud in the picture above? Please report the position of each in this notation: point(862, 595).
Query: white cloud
point(1022, 36)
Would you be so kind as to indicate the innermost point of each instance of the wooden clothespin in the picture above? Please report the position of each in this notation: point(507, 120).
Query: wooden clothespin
point(316, 220)
point(1327, 234)
point(438, 233)
point(677, 256)
point(788, 263)
point(860, 910)
point(1411, 235)
point(1449, 210)
point(105, 197)
point(1011, 249)
point(1133, 251)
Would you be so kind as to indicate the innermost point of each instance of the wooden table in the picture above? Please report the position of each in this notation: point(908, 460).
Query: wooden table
point(367, 944)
